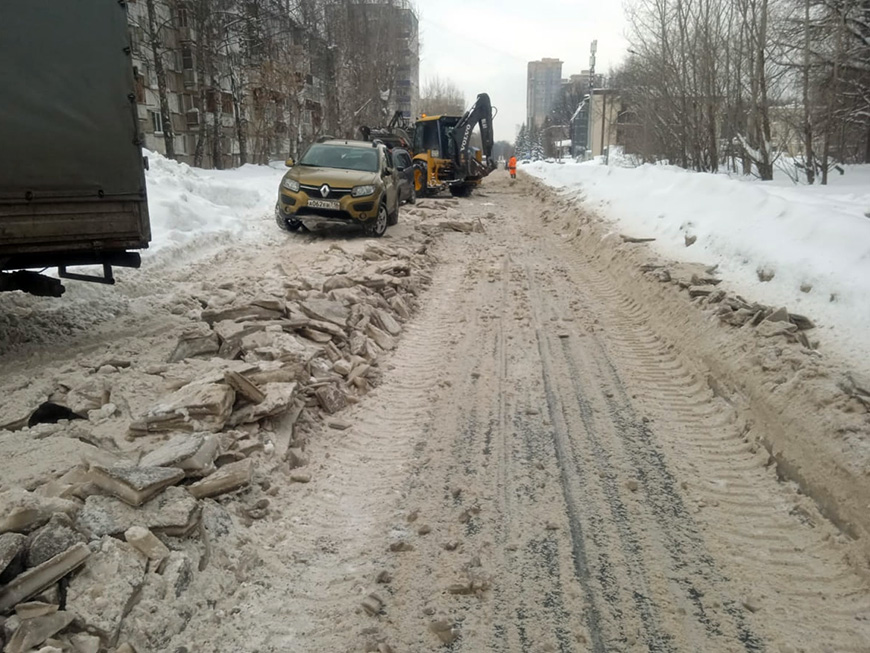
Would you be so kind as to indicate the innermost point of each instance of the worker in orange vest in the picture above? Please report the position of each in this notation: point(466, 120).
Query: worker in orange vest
point(512, 167)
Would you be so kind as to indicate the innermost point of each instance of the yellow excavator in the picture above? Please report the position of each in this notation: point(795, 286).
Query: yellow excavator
point(444, 157)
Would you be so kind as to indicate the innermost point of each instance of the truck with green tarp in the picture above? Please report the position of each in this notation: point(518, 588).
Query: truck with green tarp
point(72, 174)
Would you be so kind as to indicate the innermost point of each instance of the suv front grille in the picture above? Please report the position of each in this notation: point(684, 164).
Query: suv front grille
point(334, 193)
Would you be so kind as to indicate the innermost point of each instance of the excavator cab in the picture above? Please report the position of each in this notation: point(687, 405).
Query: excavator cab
point(433, 134)
point(434, 154)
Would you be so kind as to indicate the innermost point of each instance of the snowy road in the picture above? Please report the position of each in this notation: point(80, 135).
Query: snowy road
point(563, 455)
point(565, 479)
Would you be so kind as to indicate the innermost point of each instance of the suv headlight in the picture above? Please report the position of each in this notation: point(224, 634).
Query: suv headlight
point(291, 185)
point(362, 191)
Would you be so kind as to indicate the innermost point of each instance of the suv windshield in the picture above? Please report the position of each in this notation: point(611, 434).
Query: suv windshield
point(338, 156)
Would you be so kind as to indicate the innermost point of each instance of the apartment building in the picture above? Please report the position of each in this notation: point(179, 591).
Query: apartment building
point(240, 86)
point(407, 99)
point(577, 92)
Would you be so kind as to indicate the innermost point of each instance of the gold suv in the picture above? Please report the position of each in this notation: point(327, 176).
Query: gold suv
point(340, 182)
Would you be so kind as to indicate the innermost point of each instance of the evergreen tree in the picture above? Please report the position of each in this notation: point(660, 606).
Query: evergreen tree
point(522, 146)
point(534, 143)
point(538, 148)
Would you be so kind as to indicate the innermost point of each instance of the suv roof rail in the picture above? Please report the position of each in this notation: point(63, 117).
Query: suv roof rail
point(324, 138)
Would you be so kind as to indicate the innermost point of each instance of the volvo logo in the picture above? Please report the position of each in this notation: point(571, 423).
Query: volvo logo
point(324, 190)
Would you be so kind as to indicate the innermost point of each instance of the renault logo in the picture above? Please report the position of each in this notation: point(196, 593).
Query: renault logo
point(324, 190)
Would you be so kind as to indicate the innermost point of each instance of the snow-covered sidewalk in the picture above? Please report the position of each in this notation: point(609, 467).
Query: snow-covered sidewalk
point(814, 240)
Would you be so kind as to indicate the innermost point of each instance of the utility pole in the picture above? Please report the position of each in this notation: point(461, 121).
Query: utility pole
point(593, 49)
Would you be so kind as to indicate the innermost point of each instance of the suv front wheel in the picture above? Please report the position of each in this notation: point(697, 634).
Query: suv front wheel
point(376, 228)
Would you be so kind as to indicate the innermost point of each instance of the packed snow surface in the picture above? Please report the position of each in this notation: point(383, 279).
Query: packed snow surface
point(814, 239)
point(191, 207)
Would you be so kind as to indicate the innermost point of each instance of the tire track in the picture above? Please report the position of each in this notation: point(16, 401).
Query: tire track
point(656, 636)
point(746, 502)
point(693, 568)
point(582, 565)
point(530, 594)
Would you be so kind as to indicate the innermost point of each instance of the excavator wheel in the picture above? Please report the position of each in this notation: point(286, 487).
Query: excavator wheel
point(421, 181)
point(461, 190)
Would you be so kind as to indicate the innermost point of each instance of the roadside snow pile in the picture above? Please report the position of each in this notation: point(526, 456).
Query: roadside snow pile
point(804, 247)
point(189, 204)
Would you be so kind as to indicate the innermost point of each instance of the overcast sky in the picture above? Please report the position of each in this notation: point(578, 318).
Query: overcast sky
point(484, 46)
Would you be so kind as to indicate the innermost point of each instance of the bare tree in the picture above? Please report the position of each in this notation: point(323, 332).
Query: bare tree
point(441, 96)
point(155, 33)
point(368, 42)
point(263, 78)
point(745, 83)
point(809, 147)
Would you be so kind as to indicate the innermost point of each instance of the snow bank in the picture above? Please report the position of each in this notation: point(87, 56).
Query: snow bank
point(815, 239)
point(191, 207)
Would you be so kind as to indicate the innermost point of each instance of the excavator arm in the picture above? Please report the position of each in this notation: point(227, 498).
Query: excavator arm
point(395, 134)
point(480, 113)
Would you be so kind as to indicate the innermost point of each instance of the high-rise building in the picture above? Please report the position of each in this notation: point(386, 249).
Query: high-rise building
point(542, 90)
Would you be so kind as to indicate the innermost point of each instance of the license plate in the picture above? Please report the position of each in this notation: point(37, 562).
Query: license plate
point(324, 204)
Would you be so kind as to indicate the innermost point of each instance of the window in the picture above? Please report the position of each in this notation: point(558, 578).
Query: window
point(137, 38)
point(342, 157)
point(183, 17)
point(190, 108)
point(186, 57)
point(156, 122)
point(211, 101)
